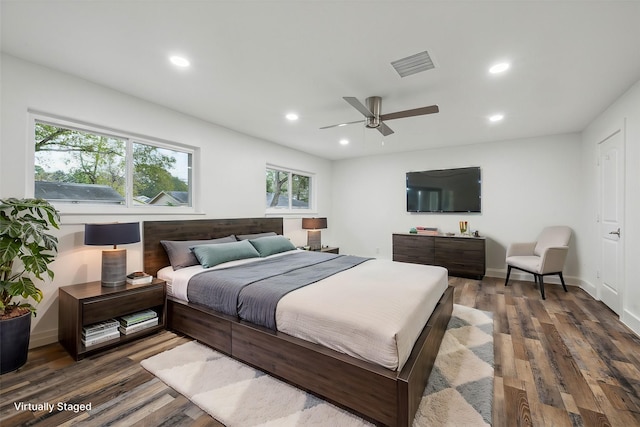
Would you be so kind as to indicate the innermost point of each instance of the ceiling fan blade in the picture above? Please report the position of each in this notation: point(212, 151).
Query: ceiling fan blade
point(358, 105)
point(384, 129)
point(410, 113)
point(342, 124)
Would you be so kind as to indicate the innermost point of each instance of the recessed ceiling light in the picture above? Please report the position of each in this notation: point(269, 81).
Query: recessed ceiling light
point(292, 116)
point(179, 61)
point(499, 68)
point(344, 141)
point(496, 117)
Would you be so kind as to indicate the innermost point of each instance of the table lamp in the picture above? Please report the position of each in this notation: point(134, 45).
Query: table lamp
point(114, 261)
point(314, 225)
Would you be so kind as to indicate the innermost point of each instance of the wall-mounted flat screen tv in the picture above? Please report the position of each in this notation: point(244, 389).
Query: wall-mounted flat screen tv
point(444, 190)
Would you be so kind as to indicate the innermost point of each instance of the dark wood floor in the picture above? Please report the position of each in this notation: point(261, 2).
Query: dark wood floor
point(563, 361)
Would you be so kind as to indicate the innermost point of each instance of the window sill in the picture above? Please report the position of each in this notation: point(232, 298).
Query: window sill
point(68, 209)
point(288, 213)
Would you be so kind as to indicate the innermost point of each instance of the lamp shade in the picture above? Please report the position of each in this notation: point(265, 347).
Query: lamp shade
point(314, 223)
point(111, 234)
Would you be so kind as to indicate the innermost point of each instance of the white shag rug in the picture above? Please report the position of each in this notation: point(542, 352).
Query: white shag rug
point(459, 391)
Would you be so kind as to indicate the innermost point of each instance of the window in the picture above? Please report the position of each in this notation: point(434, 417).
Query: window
point(85, 165)
point(288, 191)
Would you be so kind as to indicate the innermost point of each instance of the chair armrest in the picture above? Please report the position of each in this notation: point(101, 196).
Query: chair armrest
point(520, 249)
point(552, 260)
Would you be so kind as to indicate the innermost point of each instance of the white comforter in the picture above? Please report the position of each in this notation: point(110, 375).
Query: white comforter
point(374, 311)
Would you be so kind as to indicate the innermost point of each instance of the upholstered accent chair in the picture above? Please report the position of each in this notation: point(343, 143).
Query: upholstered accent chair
point(543, 257)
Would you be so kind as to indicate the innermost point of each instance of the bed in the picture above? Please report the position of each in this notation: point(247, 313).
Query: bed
point(379, 394)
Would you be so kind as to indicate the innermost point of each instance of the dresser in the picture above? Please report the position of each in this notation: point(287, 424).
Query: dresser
point(463, 256)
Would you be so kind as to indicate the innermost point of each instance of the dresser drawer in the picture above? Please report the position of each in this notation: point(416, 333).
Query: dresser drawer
point(461, 251)
point(109, 306)
point(414, 249)
point(461, 256)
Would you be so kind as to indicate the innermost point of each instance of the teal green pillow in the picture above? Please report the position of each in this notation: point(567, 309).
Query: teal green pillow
point(214, 254)
point(272, 245)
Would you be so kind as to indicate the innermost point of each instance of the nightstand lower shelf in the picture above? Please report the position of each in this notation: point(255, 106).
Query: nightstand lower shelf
point(90, 303)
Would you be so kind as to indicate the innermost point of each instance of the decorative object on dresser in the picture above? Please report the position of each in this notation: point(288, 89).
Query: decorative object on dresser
point(114, 262)
point(464, 227)
point(462, 256)
point(427, 231)
point(86, 307)
point(314, 225)
point(27, 251)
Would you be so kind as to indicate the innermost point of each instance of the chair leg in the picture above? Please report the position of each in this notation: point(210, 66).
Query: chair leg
point(508, 274)
point(562, 280)
point(541, 285)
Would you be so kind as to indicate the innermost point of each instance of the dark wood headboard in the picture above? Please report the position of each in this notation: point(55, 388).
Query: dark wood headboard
point(154, 255)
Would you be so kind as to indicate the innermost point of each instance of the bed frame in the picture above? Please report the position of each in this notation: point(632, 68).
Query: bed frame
point(375, 393)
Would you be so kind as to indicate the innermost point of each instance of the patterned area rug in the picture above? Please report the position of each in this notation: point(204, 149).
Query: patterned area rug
point(459, 392)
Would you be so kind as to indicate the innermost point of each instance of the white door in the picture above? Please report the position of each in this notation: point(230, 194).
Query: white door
point(611, 220)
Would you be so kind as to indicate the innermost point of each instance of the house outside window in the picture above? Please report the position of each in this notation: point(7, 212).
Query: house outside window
point(288, 191)
point(81, 165)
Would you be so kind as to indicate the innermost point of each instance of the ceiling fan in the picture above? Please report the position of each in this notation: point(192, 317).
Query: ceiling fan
point(375, 120)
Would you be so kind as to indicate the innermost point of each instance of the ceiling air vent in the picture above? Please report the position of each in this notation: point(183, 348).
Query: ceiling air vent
point(413, 64)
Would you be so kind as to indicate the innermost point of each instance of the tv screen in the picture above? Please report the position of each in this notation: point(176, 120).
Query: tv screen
point(444, 190)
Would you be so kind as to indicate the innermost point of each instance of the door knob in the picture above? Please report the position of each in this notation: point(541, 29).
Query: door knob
point(616, 232)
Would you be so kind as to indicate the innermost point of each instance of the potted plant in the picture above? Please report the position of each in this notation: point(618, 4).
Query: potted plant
point(26, 250)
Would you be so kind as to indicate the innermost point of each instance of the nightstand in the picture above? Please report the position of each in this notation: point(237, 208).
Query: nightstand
point(329, 249)
point(89, 303)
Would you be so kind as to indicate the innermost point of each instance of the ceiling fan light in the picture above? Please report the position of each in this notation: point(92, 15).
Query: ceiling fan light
point(344, 141)
point(373, 122)
point(496, 117)
point(292, 117)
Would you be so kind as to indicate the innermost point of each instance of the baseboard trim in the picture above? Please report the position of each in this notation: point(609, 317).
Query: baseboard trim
point(631, 321)
point(526, 277)
point(590, 288)
point(38, 339)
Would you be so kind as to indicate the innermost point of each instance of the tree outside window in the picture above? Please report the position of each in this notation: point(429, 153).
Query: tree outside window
point(287, 190)
point(81, 166)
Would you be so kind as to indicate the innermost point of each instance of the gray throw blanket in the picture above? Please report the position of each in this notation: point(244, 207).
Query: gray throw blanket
point(252, 291)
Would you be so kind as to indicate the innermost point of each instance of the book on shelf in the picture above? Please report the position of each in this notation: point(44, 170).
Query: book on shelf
point(110, 324)
point(138, 317)
point(98, 334)
point(136, 327)
point(428, 231)
point(139, 278)
point(100, 339)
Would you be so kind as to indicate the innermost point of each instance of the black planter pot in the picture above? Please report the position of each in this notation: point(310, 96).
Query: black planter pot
point(14, 342)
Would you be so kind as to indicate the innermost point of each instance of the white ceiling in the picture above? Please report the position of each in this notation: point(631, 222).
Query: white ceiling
point(254, 61)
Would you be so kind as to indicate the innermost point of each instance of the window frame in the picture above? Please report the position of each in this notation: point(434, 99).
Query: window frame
point(73, 208)
point(312, 189)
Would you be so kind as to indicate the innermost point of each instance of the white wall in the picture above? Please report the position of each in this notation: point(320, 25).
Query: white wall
point(527, 184)
point(231, 173)
point(625, 110)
